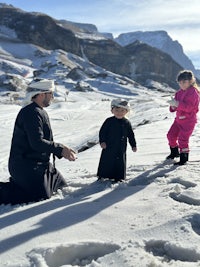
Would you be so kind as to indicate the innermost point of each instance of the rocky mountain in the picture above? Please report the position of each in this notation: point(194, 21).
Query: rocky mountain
point(39, 29)
point(160, 40)
point(78, 27)
point(138, 61)
point(149, 63)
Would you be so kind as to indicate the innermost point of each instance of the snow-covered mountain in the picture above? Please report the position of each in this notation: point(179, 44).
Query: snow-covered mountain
point(21, 62)
point(40, 30)
point(160, 40)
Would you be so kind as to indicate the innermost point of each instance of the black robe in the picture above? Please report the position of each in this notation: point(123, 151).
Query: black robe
point(115, 132)
point(31, 147)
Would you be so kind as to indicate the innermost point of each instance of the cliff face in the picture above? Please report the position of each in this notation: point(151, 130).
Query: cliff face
point(108, 55)
point(137, 61)
point(151, 63)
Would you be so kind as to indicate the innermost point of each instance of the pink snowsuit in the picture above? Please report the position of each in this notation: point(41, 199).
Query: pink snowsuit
point(186, 118)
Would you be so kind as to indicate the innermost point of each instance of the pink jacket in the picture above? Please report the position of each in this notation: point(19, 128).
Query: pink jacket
point(188, 105)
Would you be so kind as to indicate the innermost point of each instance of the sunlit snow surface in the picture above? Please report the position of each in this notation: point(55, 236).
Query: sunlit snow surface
point(152, 219)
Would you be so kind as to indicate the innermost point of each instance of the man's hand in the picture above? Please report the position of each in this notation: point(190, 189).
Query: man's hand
point(103, 145)
point(69, 153)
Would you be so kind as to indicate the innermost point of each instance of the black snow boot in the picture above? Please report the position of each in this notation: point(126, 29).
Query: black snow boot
point(183, 159)
point(174, 153)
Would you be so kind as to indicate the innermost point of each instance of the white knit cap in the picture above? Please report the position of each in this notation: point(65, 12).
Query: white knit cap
point(38, 87)
point(120, 103)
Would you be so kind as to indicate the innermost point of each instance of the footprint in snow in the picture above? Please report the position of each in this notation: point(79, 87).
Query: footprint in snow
point(188, 196)
point(186, 184)
point(167, 251)
point(195, 223)
point(80, 254)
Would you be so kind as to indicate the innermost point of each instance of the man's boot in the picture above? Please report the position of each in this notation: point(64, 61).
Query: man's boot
point(183, 159)
point(174, 153)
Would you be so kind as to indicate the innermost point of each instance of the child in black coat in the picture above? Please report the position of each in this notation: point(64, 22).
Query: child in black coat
point(113, 137)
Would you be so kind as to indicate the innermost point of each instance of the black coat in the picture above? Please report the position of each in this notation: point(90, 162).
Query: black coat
point(115, 133)
point(31, 147)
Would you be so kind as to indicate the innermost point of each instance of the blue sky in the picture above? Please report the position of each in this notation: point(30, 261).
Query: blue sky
point(181, 18)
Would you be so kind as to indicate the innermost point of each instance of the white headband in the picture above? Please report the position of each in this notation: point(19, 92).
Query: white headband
point(38, 87)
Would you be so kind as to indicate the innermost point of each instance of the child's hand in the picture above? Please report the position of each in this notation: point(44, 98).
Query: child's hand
point(103, 145)
point(173, 102)
point(134, 149)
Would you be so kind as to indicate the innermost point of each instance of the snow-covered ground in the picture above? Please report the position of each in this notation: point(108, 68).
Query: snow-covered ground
point(150, 220)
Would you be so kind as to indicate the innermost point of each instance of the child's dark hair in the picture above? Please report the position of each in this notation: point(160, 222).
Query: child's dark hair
point(185, 75)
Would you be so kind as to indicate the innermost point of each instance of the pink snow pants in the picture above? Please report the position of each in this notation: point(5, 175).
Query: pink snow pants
point(179, 134)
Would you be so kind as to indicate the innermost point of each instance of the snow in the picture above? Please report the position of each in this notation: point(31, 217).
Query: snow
point(7, 32)
point(152, 219)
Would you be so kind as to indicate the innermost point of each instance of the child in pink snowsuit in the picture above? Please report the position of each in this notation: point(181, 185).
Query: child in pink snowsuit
point(185, 104)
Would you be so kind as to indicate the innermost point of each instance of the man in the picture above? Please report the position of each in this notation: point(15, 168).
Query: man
point(32, 177)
